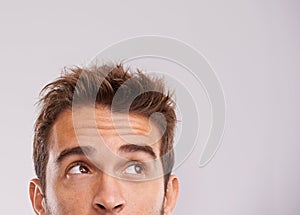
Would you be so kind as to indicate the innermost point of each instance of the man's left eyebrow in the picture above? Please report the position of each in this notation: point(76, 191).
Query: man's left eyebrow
point(138, 148)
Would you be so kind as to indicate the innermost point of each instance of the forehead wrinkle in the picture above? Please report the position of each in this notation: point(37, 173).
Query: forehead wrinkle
point(114, 117)
point(141, 127)
point(134, 130)
point(90, 131)
point(132, 121)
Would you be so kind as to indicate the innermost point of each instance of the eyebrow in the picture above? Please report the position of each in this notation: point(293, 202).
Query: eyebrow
point(79, 150)
point(138, 148)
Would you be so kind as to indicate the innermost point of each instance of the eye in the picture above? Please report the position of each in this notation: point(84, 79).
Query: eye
point(135, 169)
point(78, 169)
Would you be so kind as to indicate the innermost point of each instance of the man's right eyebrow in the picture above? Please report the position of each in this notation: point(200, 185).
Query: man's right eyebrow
point(78, 150)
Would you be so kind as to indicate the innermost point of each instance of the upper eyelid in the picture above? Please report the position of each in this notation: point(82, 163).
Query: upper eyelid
point(133, 162)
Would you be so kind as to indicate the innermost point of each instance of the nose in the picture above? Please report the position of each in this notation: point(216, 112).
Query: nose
point(109, 196)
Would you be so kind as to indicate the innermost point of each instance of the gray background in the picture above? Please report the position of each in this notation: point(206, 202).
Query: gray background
point(253, 47)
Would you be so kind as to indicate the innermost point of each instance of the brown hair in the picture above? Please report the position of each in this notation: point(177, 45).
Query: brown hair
point(98, 85)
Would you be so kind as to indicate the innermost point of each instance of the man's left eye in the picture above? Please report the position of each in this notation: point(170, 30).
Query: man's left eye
point(134, 169)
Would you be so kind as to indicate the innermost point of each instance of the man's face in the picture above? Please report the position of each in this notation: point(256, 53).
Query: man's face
point(102, 166)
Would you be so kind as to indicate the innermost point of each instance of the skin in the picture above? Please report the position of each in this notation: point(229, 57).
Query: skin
point(98, 165)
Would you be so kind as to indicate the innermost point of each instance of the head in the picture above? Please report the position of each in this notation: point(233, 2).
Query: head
point(103, 144)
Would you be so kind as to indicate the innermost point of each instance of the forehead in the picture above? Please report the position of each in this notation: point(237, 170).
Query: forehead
point(90, 126)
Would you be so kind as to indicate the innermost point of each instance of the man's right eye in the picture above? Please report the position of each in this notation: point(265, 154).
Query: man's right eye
point(78, 169)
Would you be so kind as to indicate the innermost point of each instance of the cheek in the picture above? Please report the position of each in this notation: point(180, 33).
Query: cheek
point(145, 196)
point(67, 197)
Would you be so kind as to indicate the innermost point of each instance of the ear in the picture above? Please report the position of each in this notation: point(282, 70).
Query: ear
point(171, 194)
point(37, 197)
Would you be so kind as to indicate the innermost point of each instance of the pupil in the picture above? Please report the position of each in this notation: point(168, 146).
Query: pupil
point(138, 169)
point(82, 169)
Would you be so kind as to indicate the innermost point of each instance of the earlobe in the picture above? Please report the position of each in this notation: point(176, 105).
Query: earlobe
point(171, 194)
point(36, 197)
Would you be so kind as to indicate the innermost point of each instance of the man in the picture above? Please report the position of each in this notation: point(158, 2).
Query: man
point(103, 144)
